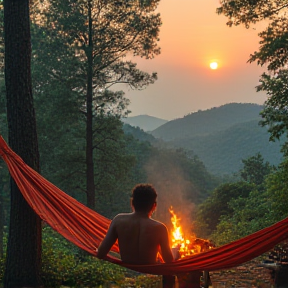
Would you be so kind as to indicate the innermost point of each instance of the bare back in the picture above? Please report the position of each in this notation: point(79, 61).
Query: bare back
point(140, 238)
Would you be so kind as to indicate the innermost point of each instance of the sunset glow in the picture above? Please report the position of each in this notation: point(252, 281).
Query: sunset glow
point(193, 36)
point(213, 65)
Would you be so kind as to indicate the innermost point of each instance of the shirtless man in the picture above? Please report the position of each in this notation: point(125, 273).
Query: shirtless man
point(140, 238)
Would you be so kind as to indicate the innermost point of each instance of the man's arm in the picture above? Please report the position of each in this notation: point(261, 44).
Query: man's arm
point(108, 241)
point(165, 245)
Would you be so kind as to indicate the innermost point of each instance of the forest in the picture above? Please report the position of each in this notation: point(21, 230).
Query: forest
point(60, 113)
point(222, 136)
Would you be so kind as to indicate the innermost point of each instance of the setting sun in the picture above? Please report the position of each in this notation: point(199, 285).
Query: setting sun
point(213, 65)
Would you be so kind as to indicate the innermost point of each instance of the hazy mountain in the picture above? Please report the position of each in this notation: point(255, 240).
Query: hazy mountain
point(221, 137)
point(145, 122)
point(208, 121)
point(139, 134)
point(222, 152)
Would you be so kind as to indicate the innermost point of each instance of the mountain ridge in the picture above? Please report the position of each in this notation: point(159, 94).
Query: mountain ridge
point(145, 122)
point(221, 136)
point(208, 121)
point(222, 152)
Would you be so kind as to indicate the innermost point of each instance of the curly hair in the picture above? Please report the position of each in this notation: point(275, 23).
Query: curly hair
point(143, 197)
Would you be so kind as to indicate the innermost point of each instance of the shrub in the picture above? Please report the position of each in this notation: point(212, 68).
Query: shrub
point(65, 264)
point(94, 272)
point(2, 266)
point(3, 259)
point(148, 281)
point(57, 259)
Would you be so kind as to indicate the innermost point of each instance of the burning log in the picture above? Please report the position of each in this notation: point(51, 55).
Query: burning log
point(192, 279)
point(191, 247)
point(182, 247)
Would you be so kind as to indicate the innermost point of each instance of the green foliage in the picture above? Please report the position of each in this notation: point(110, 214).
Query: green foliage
point(62, 147)
point(114, 31)
point(261, 208)
point(255, 170)
point(121, 161)
point(221, 137)
point(273, 49)
point(277, 192)
point(58, 258)
point(147, 281)
point(139, 134)
point(61, 140)
point(3, 258)
point(160, 157)
point(63, 264)
point(57, 265)
point(71, 35)
point(247, 216)
point(275, 111)
point(179, 176)
point(94, 272)
point(222, 152)
point(80, 124)
point(2, 268)
point(218, 204)
point(273, 53)
point(249, 12)
point(113, 167)
point(181, 181)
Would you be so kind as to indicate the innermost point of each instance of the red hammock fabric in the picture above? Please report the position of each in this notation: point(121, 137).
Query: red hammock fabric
point(86, 228)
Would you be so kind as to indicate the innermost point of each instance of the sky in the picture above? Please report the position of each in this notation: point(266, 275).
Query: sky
point(191, 36)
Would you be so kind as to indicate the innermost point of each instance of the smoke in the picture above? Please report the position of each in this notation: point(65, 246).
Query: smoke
point(173, 190)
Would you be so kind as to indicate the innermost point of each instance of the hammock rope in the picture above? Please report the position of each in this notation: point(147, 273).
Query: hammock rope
point(86, 228)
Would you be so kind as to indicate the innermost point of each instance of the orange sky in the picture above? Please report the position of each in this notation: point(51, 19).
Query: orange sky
point(193, 35)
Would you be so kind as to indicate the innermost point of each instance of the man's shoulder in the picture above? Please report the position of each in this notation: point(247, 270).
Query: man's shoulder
point(121, 216)
point(158, 223)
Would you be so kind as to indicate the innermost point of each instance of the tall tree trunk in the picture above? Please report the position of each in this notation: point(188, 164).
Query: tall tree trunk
point(90, 184)
point(1, 223)
point(24, 241)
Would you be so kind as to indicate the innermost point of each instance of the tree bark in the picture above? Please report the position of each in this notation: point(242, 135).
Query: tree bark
point(23, 262)
point(90, 183)
point(1, 223)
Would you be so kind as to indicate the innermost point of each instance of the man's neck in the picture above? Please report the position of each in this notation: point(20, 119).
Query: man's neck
point(143, 214)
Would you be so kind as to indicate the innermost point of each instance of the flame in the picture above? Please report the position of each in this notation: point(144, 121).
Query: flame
point(177, 232)
point(184, 247)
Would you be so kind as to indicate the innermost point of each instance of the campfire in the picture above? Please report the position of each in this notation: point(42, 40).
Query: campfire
point(182, 245)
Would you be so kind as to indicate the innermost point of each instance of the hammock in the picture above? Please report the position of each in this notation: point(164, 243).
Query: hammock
point(86, 228)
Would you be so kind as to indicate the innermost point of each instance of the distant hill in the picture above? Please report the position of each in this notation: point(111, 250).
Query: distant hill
point(139, 134)
point(221, 137)
point(222, 152)
point(208, 121)
point(145, 122)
